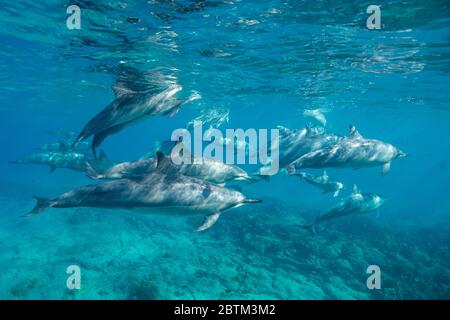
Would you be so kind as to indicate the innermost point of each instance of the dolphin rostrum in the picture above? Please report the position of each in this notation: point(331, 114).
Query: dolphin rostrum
point(356, 203)
point(322, 182)
point(165, 192)
point(352, 152)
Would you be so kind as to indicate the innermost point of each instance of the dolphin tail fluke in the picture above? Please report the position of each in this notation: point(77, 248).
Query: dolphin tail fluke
point(42, 204)
point(311, 228)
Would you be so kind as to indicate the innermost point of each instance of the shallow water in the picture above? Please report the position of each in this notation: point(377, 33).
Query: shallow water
point(252, 65)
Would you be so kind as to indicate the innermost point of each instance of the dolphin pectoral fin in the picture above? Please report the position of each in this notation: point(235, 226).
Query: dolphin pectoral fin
point(209, 221)
point(386, 168)
point(336, 193)
point(171, 112)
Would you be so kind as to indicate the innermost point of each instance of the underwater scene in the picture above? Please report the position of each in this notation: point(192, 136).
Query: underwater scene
point(224, 149)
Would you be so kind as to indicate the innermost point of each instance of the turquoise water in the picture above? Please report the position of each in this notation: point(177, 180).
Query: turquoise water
point(262, 63)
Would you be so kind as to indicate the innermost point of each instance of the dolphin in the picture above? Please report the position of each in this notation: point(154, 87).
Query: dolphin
point(63, 146)
point(69, 160)
point(210, 170)
point(322, 182)
point(295, 143)
point(164, 192)
point(131, 106)
point(357, 203)
point(352, 152)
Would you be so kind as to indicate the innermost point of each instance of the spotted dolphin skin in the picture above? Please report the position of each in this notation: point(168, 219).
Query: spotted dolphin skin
point(352, 152)
point(356, 203)
point(129, 107)
point(322, 182)
point(166, 192)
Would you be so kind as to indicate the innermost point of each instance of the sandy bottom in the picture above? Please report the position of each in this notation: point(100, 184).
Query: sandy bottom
point(254, 252)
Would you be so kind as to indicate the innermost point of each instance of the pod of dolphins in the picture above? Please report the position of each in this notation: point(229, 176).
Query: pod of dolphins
point(154, 183)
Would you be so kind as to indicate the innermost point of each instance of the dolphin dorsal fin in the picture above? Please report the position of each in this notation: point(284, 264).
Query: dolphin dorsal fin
point(325, 175)
point(164, 163)
point(354, 132)
point(103, 155)
point(355, 189)
point(160, 159)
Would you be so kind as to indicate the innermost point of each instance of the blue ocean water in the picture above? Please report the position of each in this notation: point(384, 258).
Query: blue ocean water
point(261, 63)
